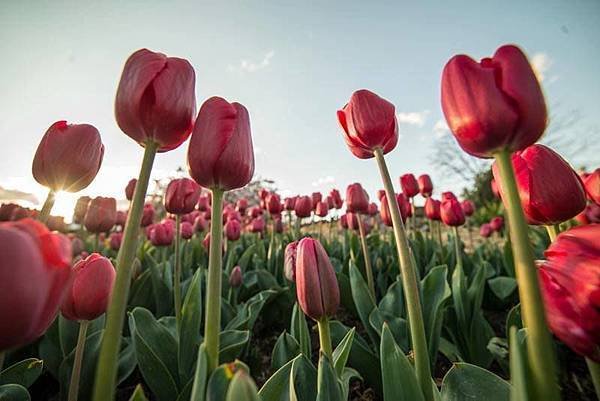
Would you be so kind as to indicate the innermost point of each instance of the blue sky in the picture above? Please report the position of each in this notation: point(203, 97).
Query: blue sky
point(292, 64)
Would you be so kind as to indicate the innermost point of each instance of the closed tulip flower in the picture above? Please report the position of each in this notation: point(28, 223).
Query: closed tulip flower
point(352, 221)
point(289, 261)
point(235, 277)
point(316, 197)
point(322, 209)
point(493, 105)
point(56, 223)
point(181, 196)
point(380, 193)
point(329, 201)
point(220, 154)
point(147, 215)
point(344, 221)
point(337, 198)
point(369, 122)
point(254, 212)
point(425, 185)
point(130, 189)
point(77, 246)
point(451, 213)
point(187, 230)
point(233, 230)
point(372, 210)
point(592, 186)
point(203, 203)
point(34, 275)
point(241, 205)
point(448, 195)
point(155, 99)
point(409, 184)
point(357, 200)
point(6, 211)
point(468, 207)
point(432, 209)
point(121, 218)
point(278, 225)
point(257, 225)
point(550, 190)
point(101, 215)
point(486, 230)
point(570, 283)
point(80, 210)
point(274, 204)
point(200, 224)
point(303, 206)
point(88, 295)
point(288, 203)
point(263, 193)
point(497, 223)
point(68, 157)
point(114, 240)
point(316, 285)
point(162, 234)
point(404, 204)
point(384, 211)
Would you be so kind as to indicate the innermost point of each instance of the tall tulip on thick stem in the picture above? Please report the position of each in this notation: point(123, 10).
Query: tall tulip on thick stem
point(539, 344)
point(409, 282)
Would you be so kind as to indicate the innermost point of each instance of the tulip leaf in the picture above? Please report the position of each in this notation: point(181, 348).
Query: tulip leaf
point(138, 394)
point(286, 348)
point(14, 392)
point(200, 375)
point(299, 330)
point(299, 374)
point(220, 379)
point(189, 335)
point(502, 287)
point(464, 381)
point(242, 388)
point(24, 373)
point(231, 344)
point(142, 292)
point(342, 351)
point(363, 301)
point(514, 318)
point(519, 367)
point(328, 387)
point(436, 293)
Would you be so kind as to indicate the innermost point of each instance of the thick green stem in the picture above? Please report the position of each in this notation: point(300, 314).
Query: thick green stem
point(325, 337)
point(365, 250)
point(553, 231)
point(457, 246)
point(177, 274)
point(76, 372)
point(594, 368)
point(212, 323)
point(540, 348)
point(47, 208)
point(106, 371)
point(410, 284)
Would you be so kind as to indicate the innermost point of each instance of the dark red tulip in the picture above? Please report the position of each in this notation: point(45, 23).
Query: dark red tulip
point(592, 186)
point(448, 195)
point(409, 184)
point(316, 197)
point(352, 221)
point(288, 203)
point(316, 285)
point(20, 213)
point(254, 212)
point(380, 194)
point(181, 196)
point(344, 221)
point(289, 262)
point(263, 193)
point(384, 210)
point(130, 189)
point(220, 154)
point(233, 215)
point(497, 223)
point(493, 105)
point(34, 275)
point(101, 215)
point(322, 209)
point(274, 203)
point(369, 122)
point(372, 210)
point(278, 225)
point(200, 224)
point(451, 213)
point(432, 209)
point(257, 225)
point(405, 206)
point(147, 215)
point(68, 157)
point(336, 197)
point(156, 100)
point(88, 295)
point(80, 209)
point(121, 218)
point(486, 230)
point(241, 205)
point(570, 283)
point(329, 201)
point(77, 246)
point(550, 191)
point(6, 211)
point(56, 223)
point(114, 240)
point(235, 277)
point(203, 203)
point(425, 185)
point(206, 241)
point(187, 230)
point(357, 200)
point(233, 230)
point(303, 206)
point(162, 234)
point(468, 207)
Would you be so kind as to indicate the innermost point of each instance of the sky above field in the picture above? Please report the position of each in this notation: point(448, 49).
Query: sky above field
point(292, 64)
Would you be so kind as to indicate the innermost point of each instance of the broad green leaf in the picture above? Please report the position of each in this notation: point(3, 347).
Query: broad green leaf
point(363, 301)
point(200, 376)
point(277, 387)
point(328, 388)
point(220, 379)
point(469, 382)
point(286, 348)
point(242, 388)
point(342, 351)
point(24, 373)
point(189, 335)
point(14, 392)
point(435, 294)
point(231, 343)
point(299, 330)
point(519, 367)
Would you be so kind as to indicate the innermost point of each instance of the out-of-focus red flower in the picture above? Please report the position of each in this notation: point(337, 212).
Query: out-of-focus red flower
point(203, 203)
point(592, 186)
point(6, 211)
point(241, 205)
point(263, 193)
point(432, 209)
point(352, 221)
point(486, 230)
point(493, 105)
point(316, 197)
point(337, 199)
point(181, 196)
point(80, 209)
point(114, 240)
point(101, 215)
point(322, 209)
point(495, 189)
point(254, 212)
point(357, 199)
point(497, 223)
point(448, 195)
point(468, 207)
point(162, 234)
point(278, 225)
point(344, 221)
point(77, 246)
point(56, 223)
point(187, 230)
point(257, 225)
point(372, 210)
point(452, 213)
point(303, 206)
point(274, 203)
point(425, 185)
point(121, 218)
point(68, 157)
point(236, 277)
point(288, 203)
point(409, 184)
point(130, 189)
point(289, 262)
point(200, 224)
point(380, 194)
point(570, 283)
point(233, 230)
point(369, 122)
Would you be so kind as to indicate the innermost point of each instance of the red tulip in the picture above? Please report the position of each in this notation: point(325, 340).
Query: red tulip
point(220, 154)
point(56, 223)
point(181, 196)
point(405, 206)
point(130, 189)
point(329, 201)
point(77, 246)
point(380, 194)
point(372, 210)
point(468, 207)
point(432, 209)
point(550, 191)
point(352, 221)
point(322, 209)
point(592, 186)
point(448, 195)
point(495, 189)
point(162, 234)
point(289, 262)
point(485, 230)
point(451, 213)
point(369, 122)
point(200, 224)
point(384, 211)
point(316, 197)
point(257, 225)
point(68, 157)
point(497, 223)
point(357, 199)
point(254, 212)
point(233, 230)
point(147, 215)
point(570, 283)
point(344, 221)
point(303, 206)
point(288, 203)
point(274, 203)
point(241, 205)
point(337, 199)
point(425, 185)
point(88, 295)
point(115, 240)
point(81, 207)
point(121, 218)
point(316, 285)
point(278, 225)
point(187, 230)
point(34, 275)
point(263, 193)
point(206, 241)
point(409, 185)
point(236, 278)
point(493, 105)
point(101, 215)
point(6, 211)
point(155, 99)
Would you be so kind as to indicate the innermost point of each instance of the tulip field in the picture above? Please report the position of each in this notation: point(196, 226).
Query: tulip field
point(216, 287)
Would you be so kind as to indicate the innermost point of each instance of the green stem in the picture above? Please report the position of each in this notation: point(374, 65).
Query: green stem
point(177, 274)
point(76, 372)
point(540, 348)
point(106, 371)
point(457, 246)
point(365, 250)
point(212, 324)
point(325, 337)
point(551, 232)
point(594, 368)
point(47, 208)
point(410, 284)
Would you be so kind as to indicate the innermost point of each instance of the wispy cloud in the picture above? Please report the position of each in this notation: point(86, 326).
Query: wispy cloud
point(253, 66)
point(416, 118)
point(323, 180)
point(440, 128)
point(541, 63)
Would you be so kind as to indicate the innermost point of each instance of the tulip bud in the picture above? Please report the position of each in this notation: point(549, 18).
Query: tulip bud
point(68, 157)
point(220, 154)
point(485, 230)
point(468, 207)
point(278, 225)
point(263, 193)
point(316, 284)
point(451, 213)
point(448, 195)
point(115, 240)
point(81, 207)
point(257, 225)
point(241, 205)
point(187, 230)
point(273, 203)
point(101, 215)
point(570, 284)
point(432, 209)
point(329, 202)
point(235, 278)
point(592, 186)
point(372, 210)
point(550, 191)
point(322, 209)
point(368, 122)
point(181, 196)
point(303, 206)
point(156, 100)
point(337, 199)
point(161, 234)
point(288, 203)
point(130, 189)
point(316, 197)
point(147, 215)
point(88, 295)
point(409, 185)
point(497, 223)
point(493, 105)
point(77, 246)
point(352, 221)
point(233, 230)
point(344, 221)
point(425, 185)
point(357, 200)
point(200, 224)
point(386, 216)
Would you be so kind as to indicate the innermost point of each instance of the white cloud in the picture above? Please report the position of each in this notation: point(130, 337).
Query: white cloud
point(416, 118)
point(541, 63)
point(440, 128)
point(252, 66)
point(323, 180)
